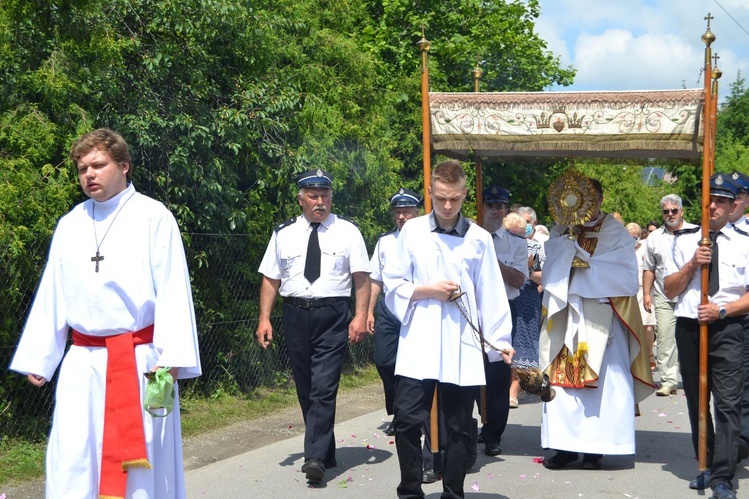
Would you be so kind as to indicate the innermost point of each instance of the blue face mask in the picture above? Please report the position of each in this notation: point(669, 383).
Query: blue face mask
point(528, 230)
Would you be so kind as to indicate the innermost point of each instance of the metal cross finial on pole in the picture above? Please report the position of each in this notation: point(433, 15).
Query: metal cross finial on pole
point(477, 73)
point(709, 17)
point(708, 38)
point(717, 73)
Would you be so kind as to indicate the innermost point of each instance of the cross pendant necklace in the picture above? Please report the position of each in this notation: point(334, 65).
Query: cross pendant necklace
point(99, 257)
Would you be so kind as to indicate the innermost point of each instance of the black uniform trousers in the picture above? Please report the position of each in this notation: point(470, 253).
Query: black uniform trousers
point(316, 339)
point(498, 381)
point(744, 437)
point(413, 400)
point(387, 333)
point(725, 379)
point(386, 337)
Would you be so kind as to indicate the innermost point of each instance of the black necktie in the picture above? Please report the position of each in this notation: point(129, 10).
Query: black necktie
point(312, 264)
point(713, 280)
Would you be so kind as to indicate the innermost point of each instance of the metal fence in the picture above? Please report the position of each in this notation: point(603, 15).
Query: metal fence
point(226, 285)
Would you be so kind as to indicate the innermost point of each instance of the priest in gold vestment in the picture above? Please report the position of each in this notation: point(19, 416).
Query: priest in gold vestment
point(592, 340)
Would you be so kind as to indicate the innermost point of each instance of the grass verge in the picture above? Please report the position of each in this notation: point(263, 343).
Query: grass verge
point(22, 461)
point(209, 413)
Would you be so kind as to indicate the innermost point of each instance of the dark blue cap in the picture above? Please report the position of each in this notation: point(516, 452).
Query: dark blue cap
point(740, 180)
point(722, 185)
point(496, 194)
point(406, 198)
point(314, 179)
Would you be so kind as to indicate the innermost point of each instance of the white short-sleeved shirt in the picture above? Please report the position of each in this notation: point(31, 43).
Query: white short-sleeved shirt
point(742, 224)
point(659, 248)
point(733, 256)
point(385, 246)
point(343, 253)
point(513, 252)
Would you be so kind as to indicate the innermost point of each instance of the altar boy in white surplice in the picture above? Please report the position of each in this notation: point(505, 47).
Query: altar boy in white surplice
point(117, 277)
point(439, 256)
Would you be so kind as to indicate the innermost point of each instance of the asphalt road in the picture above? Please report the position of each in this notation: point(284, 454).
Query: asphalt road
point(368, 463)
point(262, 459)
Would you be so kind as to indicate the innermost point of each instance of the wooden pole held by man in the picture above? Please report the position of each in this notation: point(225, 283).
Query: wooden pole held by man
point(707, 162)
point(424, 45)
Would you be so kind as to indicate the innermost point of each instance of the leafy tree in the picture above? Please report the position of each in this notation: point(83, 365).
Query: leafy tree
point(222, 102)
point(31, 198)
point(732, 148)
point(733, 118)
point(496, 33)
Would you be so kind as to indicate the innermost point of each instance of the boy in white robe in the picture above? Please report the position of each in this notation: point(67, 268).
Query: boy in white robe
point(117, 276)
point(439, 256)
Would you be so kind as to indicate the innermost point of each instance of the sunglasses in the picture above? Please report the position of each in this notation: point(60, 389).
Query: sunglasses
point(672, 211)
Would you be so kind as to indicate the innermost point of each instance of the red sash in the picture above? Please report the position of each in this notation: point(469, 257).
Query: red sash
point(124, 443)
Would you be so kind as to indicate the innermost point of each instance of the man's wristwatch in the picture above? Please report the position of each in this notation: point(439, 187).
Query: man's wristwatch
point(722, 313)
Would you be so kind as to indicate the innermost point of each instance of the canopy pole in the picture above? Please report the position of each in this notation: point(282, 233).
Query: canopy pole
point(707, 163)
point(424, 45)
point(477, 73)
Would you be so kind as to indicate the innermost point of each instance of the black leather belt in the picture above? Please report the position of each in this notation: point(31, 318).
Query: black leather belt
point(727, 320)
point(313, 302)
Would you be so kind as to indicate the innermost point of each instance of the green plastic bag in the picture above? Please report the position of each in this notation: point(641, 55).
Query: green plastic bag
point(159, 392)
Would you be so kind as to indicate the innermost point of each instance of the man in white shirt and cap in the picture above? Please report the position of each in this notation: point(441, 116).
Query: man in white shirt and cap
point(386, 327)
point(405, 205)
point(727, 259)
point(312, 261)
point(512, 257)
point(737, 221)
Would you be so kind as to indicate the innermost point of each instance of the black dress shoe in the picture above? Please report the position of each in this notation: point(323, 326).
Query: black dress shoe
point(314, 469)
point(591, 462)
point(561, 459)
point(480, 438)
point(701, 481)
point(492, 449)
point(390, 430)
point(721, 491)
point(429, 476)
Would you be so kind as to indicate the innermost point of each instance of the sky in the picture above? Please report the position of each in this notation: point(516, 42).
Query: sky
point(645, 44)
